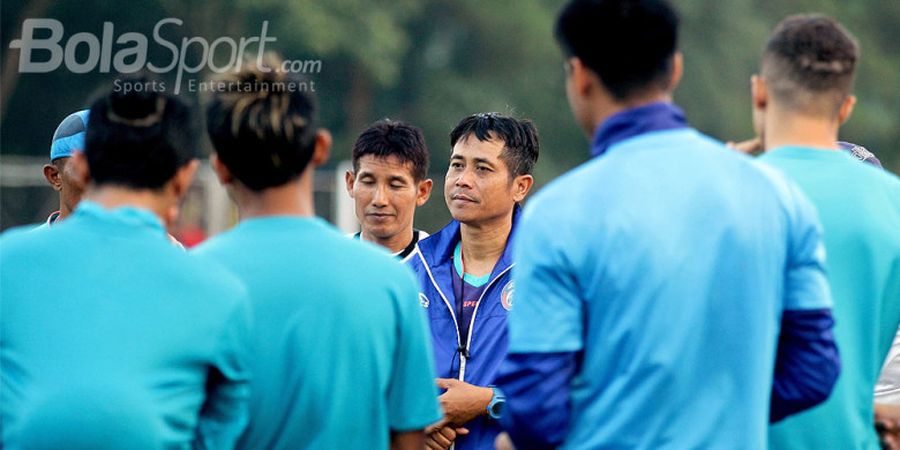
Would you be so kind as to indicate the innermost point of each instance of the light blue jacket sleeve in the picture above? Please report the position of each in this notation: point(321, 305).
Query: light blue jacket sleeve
point(807, 362)
point(224, 415)
point(805, 284)
point(545, 335)
point(412, 392)
point(548, 312)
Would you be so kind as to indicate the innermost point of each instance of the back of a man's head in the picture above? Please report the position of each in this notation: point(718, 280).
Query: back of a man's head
point(139, 140)
point(629, 44)
point(262, 131)
point(809, 63)
point(387, 138)
point(521, 145)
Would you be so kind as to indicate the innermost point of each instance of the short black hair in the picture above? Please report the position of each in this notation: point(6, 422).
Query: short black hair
point(629, 44)
point(809, 63)
point(139, 139)
point(520, 139)
point(389, 137)
point(262, 129)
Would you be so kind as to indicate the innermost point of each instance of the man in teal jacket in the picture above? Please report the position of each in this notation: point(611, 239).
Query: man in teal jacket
point(800, 98)
point(142, 346)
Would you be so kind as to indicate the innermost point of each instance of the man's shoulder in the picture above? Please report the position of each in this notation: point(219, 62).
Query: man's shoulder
point(201, 274)
point(27, 240)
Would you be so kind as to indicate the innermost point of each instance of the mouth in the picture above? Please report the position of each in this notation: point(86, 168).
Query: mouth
point(462, 198)
point(379, 216)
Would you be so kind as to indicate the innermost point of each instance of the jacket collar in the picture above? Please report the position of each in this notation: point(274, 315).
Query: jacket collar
point(437, 249)
point(632, 122)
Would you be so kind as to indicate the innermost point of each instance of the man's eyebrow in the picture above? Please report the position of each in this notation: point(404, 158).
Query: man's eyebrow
point(483, 161)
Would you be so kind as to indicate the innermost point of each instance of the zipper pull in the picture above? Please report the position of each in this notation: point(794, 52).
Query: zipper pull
point(463, 351)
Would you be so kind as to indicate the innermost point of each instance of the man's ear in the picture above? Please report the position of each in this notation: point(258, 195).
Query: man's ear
point(183, 178)
point(677, 70)
point(759, 92)
point(581, 76)
point(323, 148)
point(423, 191)
point(846, 109)
point(349, 179)
point(221, 170)
point(80, 168)
point(521, 185)
point(51, 173)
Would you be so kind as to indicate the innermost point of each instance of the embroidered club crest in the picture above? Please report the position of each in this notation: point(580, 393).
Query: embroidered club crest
point(506, 296)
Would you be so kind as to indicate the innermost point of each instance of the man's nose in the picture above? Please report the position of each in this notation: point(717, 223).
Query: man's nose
point(464, 179)
point(380, 198)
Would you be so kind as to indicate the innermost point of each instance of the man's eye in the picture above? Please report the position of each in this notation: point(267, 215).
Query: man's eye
point(483, 168)
point(455, 165)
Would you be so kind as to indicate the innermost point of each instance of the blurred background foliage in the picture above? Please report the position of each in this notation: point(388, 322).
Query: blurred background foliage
point(431, 62)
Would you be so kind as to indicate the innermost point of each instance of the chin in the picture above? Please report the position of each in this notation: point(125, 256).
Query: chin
point(378, 232)
point(462, 216)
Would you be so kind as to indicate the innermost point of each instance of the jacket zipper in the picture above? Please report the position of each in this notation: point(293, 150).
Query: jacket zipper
point(462, 361)
point(450, 308)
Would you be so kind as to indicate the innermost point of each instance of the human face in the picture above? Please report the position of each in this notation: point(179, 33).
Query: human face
point(386, 196)
point(61, 175)
point(477, 187)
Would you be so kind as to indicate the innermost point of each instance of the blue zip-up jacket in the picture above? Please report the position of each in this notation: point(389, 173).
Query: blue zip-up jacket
point(476, 361)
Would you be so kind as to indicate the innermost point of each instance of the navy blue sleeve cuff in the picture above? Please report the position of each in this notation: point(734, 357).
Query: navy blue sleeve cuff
point(536, 386)
point(807, 364)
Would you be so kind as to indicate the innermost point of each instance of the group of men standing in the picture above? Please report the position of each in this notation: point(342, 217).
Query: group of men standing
point(668, 293)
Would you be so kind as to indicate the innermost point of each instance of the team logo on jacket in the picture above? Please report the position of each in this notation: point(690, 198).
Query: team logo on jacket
point(506, 296)
point(423, 300)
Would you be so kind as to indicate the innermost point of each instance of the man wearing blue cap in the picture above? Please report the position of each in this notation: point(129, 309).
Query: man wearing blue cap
point(68, 138)
point(146, 347)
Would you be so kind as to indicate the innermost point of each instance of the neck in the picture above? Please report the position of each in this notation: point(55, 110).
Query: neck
point(114, 197)
point(291, 199)
point(483, 244)
point(783, 128)
point(606, 107)
point(64, 210)
point(395, 243)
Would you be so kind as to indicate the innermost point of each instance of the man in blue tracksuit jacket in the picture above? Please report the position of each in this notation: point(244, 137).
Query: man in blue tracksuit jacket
point(464, 273)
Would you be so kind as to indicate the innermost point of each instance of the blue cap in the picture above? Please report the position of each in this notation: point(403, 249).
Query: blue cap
point(69, 135)
point(859, 152)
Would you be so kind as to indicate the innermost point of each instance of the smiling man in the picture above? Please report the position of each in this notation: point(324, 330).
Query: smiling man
point(388, 182)
point(464, 272)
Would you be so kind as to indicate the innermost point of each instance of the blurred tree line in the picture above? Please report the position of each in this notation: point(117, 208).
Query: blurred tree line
point(432, 62)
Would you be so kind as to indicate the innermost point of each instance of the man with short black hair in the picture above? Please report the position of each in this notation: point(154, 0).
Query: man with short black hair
point(144, 347)
point(801, 97)
point(388, 181)
point(464, 272)
point(652, 279)
point(341, 354)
